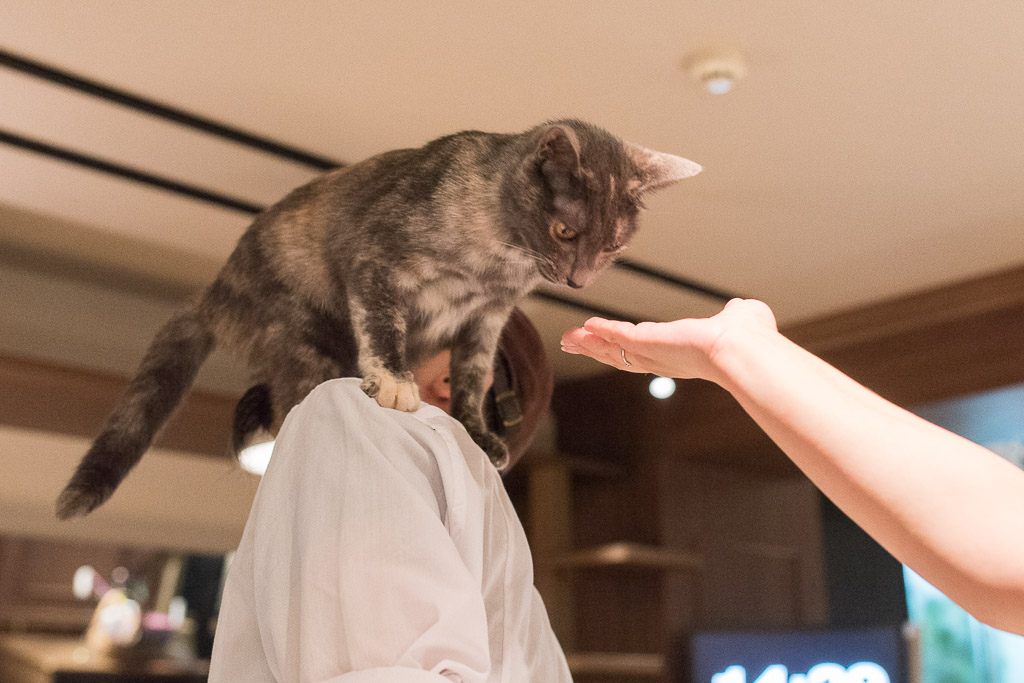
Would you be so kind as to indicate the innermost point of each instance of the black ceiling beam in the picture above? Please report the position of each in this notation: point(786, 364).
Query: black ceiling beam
point(675, 280)
point(128, 173)
point(164, 111)
point(592, 309)
point(188, 119)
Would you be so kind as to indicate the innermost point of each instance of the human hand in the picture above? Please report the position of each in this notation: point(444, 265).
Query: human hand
point(685, 348)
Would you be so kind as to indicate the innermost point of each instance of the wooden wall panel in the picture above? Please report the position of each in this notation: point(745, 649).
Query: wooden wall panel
point(617, 610)
point(549, 527)
point(614, 417)
point(760, 540)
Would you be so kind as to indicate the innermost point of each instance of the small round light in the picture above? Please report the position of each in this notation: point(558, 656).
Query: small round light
point(119, 576)
point(256, 458)
point(82, 584)
point(718, 85)
point(176, 612)
point(662, 387)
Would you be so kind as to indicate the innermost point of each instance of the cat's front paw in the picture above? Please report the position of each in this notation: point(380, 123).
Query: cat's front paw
point(400, 393)
point(495, 449)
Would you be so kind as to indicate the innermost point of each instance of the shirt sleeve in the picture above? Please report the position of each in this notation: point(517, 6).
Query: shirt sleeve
point(357, 579)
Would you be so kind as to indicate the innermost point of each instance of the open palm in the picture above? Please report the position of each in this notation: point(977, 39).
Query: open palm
point(682, 348)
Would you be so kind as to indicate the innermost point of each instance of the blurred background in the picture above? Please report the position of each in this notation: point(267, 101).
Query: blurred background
point(863, 172)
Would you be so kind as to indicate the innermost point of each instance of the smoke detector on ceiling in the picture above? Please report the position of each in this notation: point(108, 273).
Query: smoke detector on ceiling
point(716, 69)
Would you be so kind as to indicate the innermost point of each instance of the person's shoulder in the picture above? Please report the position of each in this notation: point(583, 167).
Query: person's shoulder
point(343, 388)
point(342, 396)
point(352, 442)
point(330, 410)
point(340, 409)
point(346, 395)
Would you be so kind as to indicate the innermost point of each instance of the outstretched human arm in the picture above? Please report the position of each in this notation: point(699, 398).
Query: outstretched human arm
point(950, 509)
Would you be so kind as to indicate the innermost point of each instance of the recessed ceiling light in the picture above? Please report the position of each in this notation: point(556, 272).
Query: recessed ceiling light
point(716, 69)
point(718, 83)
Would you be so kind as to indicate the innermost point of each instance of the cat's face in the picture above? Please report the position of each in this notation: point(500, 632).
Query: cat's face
point(588, 196)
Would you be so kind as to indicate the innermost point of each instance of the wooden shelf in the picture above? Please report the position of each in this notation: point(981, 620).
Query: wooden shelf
point(26, 657)
point(616, 664)
point(585, 468)
point(630, 555)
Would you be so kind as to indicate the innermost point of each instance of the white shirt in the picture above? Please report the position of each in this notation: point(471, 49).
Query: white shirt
point(381, 547)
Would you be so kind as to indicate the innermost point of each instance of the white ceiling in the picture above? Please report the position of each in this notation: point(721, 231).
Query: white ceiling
point(875, 148)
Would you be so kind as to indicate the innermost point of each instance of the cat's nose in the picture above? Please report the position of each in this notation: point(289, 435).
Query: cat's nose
point(572, 283)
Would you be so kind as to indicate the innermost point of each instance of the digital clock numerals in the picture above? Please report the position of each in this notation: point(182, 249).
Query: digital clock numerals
point(826, 672)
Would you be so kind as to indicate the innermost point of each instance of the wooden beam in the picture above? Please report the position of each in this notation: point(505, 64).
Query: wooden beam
point(937, 344)
point(891, 318)
point(630, 556)
point(631, 664)
point(74, 401)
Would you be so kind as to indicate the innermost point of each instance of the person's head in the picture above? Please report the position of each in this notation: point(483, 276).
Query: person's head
point(433, 377)
point(521, 384)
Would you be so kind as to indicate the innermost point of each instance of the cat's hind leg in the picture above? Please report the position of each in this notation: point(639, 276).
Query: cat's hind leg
point(297, 374)
point(254, 418)
point(262, 409)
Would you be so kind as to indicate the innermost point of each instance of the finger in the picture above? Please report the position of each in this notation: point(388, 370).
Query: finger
point(638, 363)
point(574, 337)
point(614, 331)
point(584, 343)
point(591, 345)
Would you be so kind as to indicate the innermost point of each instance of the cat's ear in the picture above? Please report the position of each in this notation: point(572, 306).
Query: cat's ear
point(655, 170)
point(558, 151)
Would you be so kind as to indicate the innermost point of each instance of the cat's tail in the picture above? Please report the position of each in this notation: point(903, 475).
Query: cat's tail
point(166, 373)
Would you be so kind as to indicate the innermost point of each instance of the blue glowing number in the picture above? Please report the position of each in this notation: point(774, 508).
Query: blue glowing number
point(776, 673)
point(826, 672)
point(866, 672)
point(734, 674)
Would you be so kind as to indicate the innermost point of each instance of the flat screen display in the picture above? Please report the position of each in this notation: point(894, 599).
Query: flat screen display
point(871, 655)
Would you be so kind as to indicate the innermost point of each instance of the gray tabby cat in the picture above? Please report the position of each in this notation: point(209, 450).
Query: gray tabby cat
point(374, 267)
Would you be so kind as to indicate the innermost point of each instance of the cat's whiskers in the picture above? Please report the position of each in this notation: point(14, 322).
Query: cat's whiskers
point(535, 255)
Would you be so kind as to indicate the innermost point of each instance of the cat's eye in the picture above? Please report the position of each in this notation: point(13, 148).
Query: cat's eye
point(563, 231)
